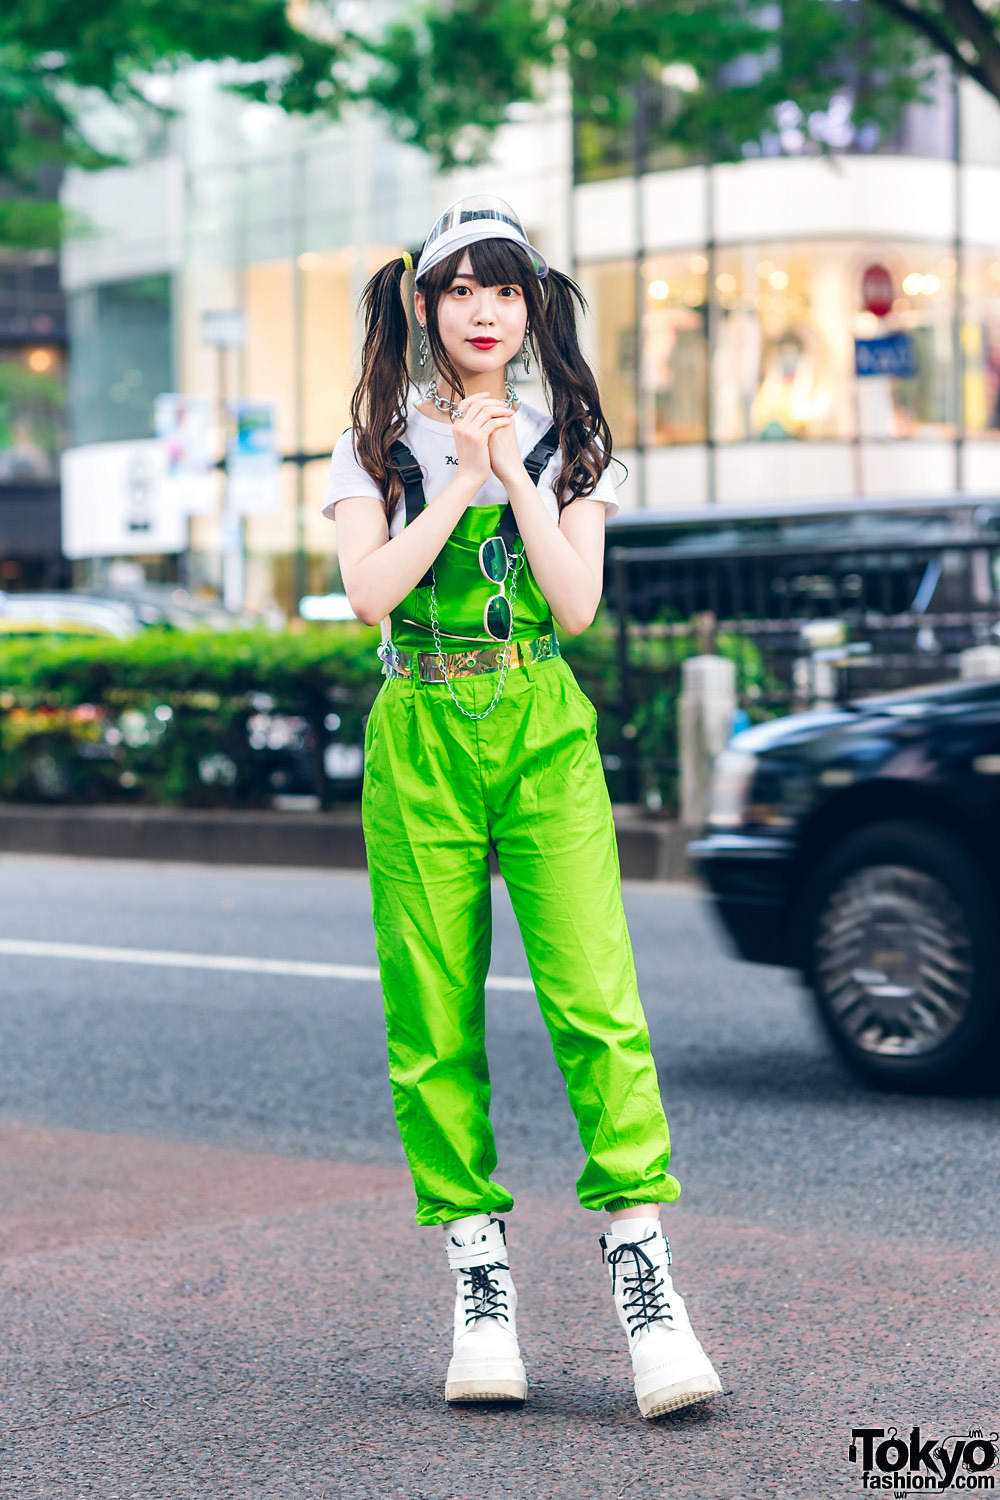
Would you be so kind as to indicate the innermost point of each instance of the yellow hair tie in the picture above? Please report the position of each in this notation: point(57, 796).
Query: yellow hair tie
point(407, 260)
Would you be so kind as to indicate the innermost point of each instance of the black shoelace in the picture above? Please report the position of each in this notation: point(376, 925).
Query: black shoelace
point(485, 1295)
point(644, 1301)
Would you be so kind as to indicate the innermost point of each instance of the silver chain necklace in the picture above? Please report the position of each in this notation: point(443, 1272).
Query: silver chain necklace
point(451, 407)
point(505, 665)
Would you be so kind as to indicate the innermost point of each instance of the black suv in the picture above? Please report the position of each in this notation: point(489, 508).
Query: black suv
point(862, 846)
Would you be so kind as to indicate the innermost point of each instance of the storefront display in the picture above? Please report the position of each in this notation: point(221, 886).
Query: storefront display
point(981, 344)
point(674, 345)
point(610, 288)
point(786, 318)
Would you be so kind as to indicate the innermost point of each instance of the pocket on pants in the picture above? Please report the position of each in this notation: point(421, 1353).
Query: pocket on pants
point(371, 722)
point(576, 693)
point(371, 754)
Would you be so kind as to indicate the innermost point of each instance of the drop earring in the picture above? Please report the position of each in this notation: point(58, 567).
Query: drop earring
point(526, 353)
point(423, 348)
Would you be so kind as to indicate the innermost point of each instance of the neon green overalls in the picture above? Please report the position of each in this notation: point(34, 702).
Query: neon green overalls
point(439, 789)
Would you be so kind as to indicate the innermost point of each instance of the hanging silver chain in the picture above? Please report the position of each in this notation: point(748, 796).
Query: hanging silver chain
point(452, 408)
point(505, 665)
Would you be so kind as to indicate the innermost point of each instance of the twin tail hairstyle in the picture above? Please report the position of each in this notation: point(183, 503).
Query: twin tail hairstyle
point(378, 406)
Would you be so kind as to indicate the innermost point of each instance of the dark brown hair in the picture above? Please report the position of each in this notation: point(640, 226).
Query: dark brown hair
point(378, 406)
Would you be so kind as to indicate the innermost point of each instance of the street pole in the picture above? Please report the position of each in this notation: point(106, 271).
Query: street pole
point(224, 331)
point(299, 567)
point(958, 315)
point(711, 339)
point(230, 524)
point(639, 167)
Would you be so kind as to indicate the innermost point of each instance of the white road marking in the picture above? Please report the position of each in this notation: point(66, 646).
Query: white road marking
point(233, 963)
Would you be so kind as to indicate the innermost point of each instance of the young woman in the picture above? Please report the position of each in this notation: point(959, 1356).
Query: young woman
point(472, 527)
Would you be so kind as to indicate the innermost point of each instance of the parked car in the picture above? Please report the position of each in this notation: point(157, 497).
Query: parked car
point(116, 612)
point(862, 847)
point(65, 614)
point(172, 606)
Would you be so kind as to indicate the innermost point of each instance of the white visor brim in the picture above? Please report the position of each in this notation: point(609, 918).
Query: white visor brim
point(462, 235)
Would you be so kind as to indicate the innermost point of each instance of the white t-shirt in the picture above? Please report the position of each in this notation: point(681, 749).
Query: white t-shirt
point(432, 444)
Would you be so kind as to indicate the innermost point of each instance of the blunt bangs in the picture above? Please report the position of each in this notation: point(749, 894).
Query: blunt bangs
point(495, 262)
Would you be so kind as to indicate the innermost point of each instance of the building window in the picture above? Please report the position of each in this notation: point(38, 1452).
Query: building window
point(122, 343)
point(32, 411)
point(610, 288)
point(674, 350)
point(981, 344)
point(31, 300)
point(787, 318)
point(653, 368)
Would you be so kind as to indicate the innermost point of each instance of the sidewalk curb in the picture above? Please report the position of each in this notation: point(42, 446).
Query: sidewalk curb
point(648, 849)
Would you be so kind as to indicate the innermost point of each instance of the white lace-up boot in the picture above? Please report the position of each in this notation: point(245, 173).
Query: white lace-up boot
point(671, 1368)
point(486, 1361)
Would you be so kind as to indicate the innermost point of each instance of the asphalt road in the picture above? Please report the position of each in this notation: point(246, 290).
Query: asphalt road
point(212, 1284)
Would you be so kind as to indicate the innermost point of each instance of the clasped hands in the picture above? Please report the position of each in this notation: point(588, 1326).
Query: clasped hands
point(486, 440)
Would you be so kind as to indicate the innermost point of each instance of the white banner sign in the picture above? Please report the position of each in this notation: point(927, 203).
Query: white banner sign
point(184, 423)
point(115, 502)
point(224, 327)
point(254, 463)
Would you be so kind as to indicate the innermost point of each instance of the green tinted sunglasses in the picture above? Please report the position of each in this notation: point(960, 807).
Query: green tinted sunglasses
point(494, 560)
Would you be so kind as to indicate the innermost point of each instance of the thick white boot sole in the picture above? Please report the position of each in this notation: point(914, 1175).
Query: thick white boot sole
point(671, 1397)
point(500, 1380)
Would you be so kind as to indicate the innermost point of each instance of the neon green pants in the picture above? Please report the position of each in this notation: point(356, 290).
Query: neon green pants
point(439, 788)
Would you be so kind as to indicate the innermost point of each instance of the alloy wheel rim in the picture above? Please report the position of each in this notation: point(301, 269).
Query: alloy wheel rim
point(894, 961)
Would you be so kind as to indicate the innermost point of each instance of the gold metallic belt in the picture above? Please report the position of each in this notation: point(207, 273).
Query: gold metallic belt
point(471, 663)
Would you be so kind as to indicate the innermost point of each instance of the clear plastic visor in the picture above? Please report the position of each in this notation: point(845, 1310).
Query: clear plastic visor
point(468, 210)
point(479, 216)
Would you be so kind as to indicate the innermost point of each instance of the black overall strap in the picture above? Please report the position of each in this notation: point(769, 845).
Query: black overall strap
point(534, 463)
point(414, 499)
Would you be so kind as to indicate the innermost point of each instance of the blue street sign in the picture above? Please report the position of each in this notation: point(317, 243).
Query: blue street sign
point(894, 354)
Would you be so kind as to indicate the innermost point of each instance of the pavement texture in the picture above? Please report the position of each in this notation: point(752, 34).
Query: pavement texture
point(212, 1284)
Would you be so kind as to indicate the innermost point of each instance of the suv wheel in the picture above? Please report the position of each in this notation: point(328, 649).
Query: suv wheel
point(902, 958)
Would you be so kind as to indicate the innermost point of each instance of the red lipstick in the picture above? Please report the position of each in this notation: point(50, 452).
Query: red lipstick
point(484, 343)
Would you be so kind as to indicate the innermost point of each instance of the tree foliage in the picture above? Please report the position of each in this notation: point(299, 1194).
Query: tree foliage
point(55, 55)
point(734, 71)
point(51, 50)
point(965, 32)
point(446, 72)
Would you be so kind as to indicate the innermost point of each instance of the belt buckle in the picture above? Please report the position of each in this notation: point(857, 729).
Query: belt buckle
point(427, 662)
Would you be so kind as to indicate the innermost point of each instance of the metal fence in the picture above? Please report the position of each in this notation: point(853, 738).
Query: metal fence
point(805, 624)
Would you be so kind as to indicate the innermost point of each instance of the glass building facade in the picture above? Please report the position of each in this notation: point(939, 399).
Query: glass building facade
point(240, 207)
point(725, 299)
point(32, 365)
point(32, 416)
point(727, 302)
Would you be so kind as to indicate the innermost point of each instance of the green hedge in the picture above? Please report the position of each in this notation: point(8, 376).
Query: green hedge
point(226, 720)
point(170, 717)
